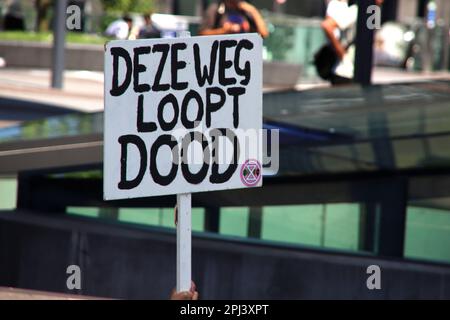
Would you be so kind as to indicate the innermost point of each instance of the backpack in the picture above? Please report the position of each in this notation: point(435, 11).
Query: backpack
point(324, 60)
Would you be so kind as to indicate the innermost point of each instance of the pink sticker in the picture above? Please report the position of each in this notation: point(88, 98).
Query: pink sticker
point(251, 173)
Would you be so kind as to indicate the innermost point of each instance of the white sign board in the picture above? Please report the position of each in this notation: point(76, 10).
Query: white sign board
point(182, 115)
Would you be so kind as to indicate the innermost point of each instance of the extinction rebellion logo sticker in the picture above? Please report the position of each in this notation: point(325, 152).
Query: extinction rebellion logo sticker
point(251, 173)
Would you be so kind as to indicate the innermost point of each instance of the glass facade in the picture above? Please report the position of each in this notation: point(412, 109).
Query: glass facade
point(160, 217)
point(234, 221)
point(428, 234)
point(8, 193)
point(354, 163)
point(330, 226)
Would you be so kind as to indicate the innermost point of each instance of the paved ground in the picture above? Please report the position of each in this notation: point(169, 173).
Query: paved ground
point(83, 91)
point(386, 76)
point(26, 94)
point(20, 294)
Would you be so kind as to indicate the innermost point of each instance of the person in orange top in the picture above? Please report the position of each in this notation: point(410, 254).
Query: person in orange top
point(233, 16)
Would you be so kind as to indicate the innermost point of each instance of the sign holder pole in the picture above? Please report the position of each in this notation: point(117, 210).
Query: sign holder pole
point(184, 230)
point(120, 97)
point(184, 237)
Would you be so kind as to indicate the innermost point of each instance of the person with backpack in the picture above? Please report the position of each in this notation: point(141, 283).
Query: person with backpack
point(233, 16)
point(335, 60)
point(149, 30)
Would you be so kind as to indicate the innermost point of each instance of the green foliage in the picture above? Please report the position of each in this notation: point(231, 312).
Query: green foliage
point(106, 19)
point(280, 41)
point(128, 5)
point(72, 37)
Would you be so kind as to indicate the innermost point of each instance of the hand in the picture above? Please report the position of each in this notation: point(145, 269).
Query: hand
point(192, 294)
point(229, 27)
point(253, 13)
point(341, 52)
point(247, 7)
point(186, 295)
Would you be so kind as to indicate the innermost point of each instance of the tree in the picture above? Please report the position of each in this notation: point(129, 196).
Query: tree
point(42, 22)
point(128, 5)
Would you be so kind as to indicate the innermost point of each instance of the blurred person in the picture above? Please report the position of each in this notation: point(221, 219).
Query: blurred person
point(148, 31)
point(14, 19)
point(335, 62)
point(232, 16)
point(192, 294)
point(392, 45)
point(120, 29)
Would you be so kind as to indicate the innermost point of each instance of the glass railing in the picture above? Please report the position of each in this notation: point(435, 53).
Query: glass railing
point(428, 52)
point(293, 40)
point(326, 226)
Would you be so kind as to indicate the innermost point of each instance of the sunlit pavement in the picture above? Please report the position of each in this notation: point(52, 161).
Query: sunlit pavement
point(21, 294)
point(83, 90)
point(387, 75)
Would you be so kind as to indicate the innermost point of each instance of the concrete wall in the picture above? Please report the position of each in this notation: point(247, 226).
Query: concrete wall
point(129, 262)
point(39, 55)
point(90, 57)
point(407, 10)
